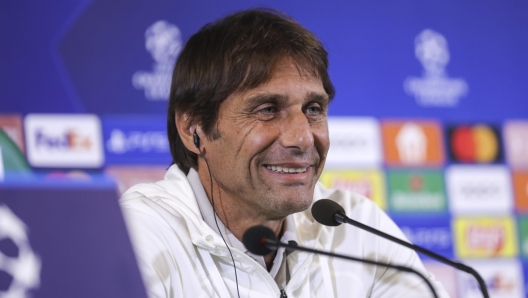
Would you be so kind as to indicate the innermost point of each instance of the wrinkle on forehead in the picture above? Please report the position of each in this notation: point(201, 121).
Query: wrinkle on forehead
point(304, 69)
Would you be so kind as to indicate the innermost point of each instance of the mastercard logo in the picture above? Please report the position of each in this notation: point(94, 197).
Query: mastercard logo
point(477, 143)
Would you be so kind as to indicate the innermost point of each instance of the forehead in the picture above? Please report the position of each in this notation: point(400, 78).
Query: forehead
point(290, 79)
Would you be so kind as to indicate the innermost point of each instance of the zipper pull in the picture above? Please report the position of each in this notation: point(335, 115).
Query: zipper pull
point(283, 294)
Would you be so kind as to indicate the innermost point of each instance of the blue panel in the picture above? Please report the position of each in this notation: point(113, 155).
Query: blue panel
point(430, 232)
point(136, 140)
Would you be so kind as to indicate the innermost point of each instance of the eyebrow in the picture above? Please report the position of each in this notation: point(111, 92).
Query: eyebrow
point(319, 97)
point(259, 99)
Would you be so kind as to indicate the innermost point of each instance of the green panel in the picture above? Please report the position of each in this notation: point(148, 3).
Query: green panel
point(416, 191)
point(523, 236)
point(13, 159)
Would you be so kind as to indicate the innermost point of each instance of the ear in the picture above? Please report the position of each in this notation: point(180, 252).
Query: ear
point(186, 128)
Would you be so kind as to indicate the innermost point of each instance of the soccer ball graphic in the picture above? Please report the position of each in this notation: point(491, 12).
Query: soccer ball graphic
point(24, 267)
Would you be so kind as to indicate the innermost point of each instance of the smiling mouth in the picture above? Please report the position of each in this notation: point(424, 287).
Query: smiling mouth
point(285, 170)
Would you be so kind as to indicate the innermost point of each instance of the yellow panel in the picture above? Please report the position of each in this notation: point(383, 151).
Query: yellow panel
point(485, 237)
point(369, 183)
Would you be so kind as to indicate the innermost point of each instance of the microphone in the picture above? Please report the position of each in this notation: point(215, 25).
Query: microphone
point(330, 213)
point(261, 240)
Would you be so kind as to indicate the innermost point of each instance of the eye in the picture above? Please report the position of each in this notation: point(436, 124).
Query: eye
point(313, 110)
point(268, 110)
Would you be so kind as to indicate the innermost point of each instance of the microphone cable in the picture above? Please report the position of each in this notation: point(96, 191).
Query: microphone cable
point(197, 144)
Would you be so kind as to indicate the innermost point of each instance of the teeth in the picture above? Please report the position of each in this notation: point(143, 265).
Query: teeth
point(286, 170)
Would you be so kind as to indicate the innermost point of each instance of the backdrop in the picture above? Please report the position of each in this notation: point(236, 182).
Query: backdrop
point(430, 119)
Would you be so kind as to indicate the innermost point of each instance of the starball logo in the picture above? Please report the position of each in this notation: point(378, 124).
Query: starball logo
point(61, 140)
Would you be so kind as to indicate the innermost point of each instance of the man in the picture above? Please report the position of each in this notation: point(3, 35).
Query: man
point(247, 125)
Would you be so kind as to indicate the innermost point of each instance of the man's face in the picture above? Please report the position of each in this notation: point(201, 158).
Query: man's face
point(273, 144)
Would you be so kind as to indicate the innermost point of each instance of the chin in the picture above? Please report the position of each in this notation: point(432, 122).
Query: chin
point(287, 206)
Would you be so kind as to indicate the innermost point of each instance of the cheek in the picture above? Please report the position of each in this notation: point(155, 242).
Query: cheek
point(321, 138)
point(259, 137)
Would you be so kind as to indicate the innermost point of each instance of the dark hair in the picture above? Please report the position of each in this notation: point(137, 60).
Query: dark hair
point(236, 53)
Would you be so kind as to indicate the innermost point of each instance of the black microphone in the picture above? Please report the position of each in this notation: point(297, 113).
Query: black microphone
point(330, 213)
point(261, 240)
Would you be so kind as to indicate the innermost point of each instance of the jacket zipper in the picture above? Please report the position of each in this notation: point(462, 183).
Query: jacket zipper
point(283, 294)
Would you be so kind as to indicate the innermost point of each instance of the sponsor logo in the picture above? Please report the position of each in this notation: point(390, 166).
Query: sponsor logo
point(478, 143)
point(430, 232)
point(149, 141)
point(163, 41)
point(412, 143)
point(485, 237)
point(416, 191)
point(69, 140)
point(434, 88)
point(479, 189)
point(369, 183)
point(64, 140)
point(503, 279)
point(12, 126)
point(354, 142)
point(136, 140)
point(21, 263)
point(516, 143)
point(523, 234)
point(520, 187)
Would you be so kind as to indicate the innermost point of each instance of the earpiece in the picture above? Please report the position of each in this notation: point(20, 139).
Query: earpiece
point(196, 140)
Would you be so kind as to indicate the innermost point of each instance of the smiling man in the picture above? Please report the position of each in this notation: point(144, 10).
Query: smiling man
point(247, 125)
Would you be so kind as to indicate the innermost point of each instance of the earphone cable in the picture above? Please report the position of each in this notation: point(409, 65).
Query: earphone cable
point(216, 221)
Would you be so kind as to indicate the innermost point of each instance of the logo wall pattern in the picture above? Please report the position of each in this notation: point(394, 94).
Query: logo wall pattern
point(442, 144)
point(474, 208)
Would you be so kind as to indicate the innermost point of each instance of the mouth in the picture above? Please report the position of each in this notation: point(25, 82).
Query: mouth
point(287, 170)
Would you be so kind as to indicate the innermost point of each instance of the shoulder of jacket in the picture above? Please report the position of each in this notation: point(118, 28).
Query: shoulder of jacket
point(173, 190)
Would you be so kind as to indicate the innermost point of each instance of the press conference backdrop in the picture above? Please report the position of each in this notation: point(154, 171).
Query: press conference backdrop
point(430, 119)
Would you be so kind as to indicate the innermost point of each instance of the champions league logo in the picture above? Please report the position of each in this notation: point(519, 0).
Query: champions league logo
point(163, 41)
point(434, 88)
point(21, 263)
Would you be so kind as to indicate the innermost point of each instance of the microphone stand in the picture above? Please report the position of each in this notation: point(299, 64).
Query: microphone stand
point(275, 244)
point(341, 217)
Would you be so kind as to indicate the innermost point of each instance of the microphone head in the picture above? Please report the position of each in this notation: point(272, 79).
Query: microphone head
point(324, 212)
point(254, 240)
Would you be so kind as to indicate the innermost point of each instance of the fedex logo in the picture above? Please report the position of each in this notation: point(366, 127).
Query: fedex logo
point(64, 141)
point(69, 140)
point(489, 238)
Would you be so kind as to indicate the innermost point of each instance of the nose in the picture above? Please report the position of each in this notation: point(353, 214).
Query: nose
point(297, 132)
